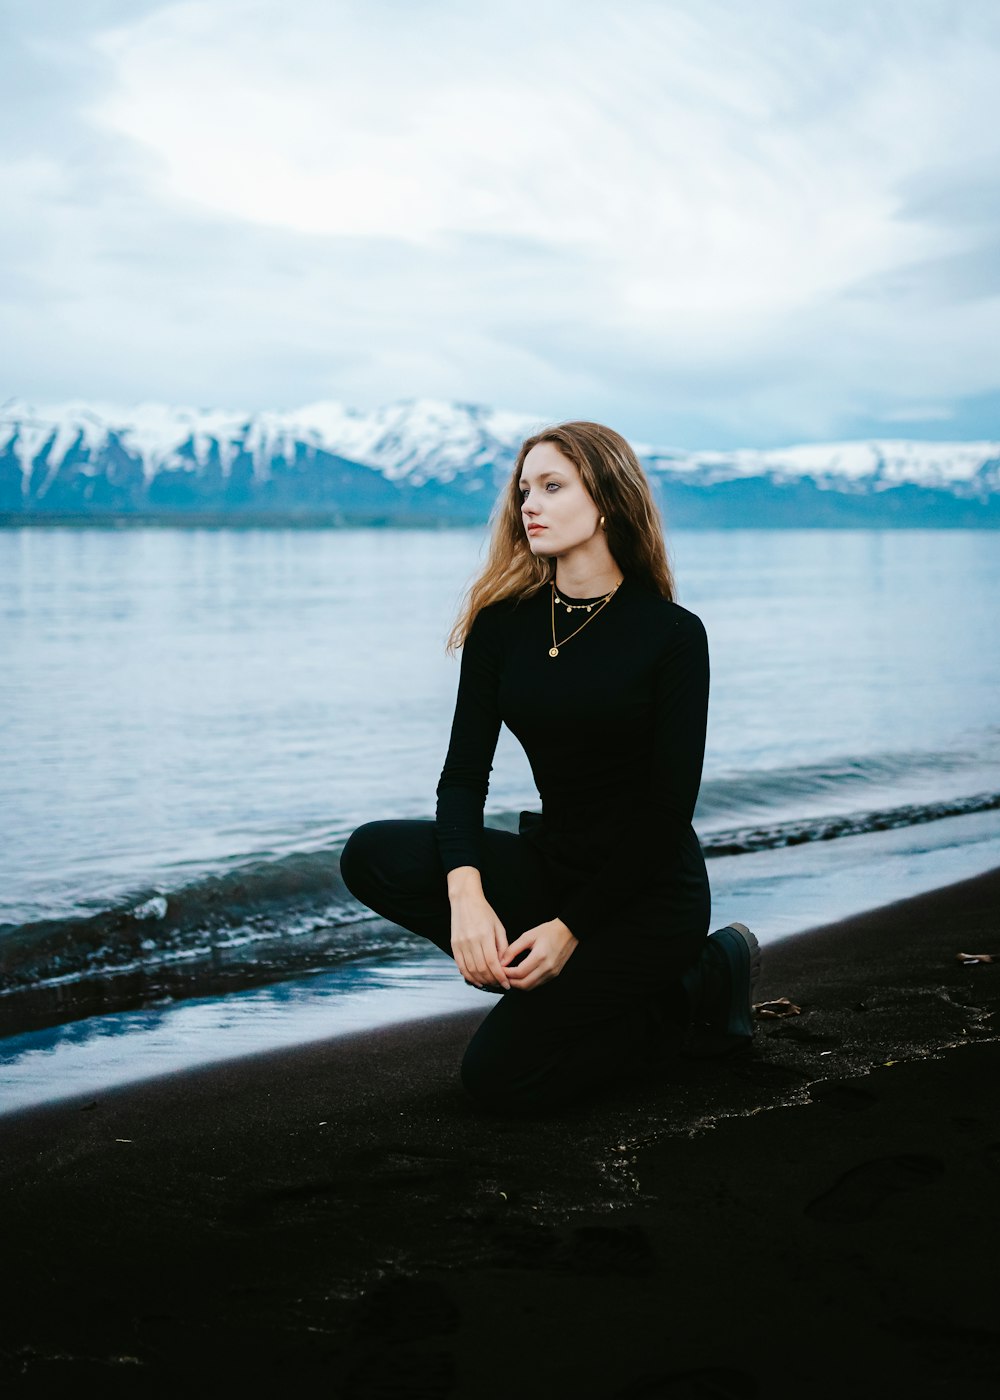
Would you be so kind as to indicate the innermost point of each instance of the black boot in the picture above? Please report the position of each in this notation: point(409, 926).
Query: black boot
point(720, 988)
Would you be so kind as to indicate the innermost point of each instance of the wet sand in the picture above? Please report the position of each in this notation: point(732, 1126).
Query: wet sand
point(816, 1217)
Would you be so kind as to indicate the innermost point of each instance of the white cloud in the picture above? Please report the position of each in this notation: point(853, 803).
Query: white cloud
point(698, 156)
point(746, 212)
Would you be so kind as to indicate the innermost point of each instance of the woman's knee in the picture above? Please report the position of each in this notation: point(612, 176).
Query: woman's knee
point(359, 857)
point(393, 859)
point(352, 858)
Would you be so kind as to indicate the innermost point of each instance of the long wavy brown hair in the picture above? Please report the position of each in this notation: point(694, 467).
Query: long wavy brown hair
point(619, 488)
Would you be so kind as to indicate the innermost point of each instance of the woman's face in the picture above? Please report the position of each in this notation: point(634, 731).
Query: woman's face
point(557, 510)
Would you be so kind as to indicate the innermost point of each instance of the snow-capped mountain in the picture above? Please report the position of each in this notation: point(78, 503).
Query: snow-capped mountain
point(408, 463)
point(424, 461)
point(967, 468)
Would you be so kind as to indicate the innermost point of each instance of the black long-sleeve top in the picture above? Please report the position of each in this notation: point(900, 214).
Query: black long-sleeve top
point(614, 729)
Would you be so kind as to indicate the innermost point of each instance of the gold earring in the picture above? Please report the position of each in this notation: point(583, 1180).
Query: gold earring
point(602, 522)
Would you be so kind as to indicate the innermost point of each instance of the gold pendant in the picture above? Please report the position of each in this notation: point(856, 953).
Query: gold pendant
point(553, 651)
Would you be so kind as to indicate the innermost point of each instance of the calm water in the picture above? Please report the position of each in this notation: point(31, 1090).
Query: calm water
point(194, 720)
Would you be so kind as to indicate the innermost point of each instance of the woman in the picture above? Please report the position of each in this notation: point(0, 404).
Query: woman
point(591, 922)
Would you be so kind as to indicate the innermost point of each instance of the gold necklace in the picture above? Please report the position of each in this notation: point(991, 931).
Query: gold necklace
point(598, 604)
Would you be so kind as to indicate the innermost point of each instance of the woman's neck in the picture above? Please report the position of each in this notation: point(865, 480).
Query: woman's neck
point(587, 583)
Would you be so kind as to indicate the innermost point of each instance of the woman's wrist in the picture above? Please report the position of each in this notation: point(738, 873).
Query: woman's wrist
point(465, 882)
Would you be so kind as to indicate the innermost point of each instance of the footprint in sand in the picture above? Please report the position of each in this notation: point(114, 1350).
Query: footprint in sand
point(295, 1198)
point(801, 1036)
point(838, 1093)
point(769, 1072)
point(709, 1383)
point(406, 1163)
point(400, 1374)
point(608, 1249)
point(860, 1192)
point(405, 1309)
point(385, 1358)
point(383, 1169)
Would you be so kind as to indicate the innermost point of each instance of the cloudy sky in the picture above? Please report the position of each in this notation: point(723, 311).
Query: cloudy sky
point(706, 222)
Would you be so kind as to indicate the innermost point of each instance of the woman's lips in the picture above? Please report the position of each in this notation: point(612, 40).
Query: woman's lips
point(532, 528)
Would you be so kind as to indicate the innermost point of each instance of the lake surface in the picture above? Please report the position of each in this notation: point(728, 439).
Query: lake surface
point(194, 720)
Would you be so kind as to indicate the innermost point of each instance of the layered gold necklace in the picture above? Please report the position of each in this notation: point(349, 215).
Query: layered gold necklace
point(594, 607)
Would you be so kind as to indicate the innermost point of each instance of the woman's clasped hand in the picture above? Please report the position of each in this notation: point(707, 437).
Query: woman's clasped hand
point(485, 959)
point(478, 941)
point(551, 945)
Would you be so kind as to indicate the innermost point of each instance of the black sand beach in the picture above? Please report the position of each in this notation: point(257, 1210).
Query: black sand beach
point(817, 1217)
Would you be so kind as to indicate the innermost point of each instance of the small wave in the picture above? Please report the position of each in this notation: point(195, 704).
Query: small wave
point(299, 897)
point(270, 919)
point(795, 833)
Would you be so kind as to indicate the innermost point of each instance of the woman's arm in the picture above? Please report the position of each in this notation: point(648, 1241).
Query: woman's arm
point(652, 830)
point(478, 938)
point(475, 729)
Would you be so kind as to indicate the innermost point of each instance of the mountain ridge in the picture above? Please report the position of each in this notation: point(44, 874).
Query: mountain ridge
point(428, 461)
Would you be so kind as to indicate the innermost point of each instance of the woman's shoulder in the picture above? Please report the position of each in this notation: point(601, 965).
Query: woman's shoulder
point(502, 608)
point(668, 616)
point(492, 619)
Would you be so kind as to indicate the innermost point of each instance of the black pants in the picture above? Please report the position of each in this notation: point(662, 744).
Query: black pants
point(609, 1015)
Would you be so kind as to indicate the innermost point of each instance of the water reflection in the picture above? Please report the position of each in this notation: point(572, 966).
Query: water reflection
point(96, 1054)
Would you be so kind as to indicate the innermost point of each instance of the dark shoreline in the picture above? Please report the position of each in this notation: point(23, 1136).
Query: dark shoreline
point(818, 1215)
